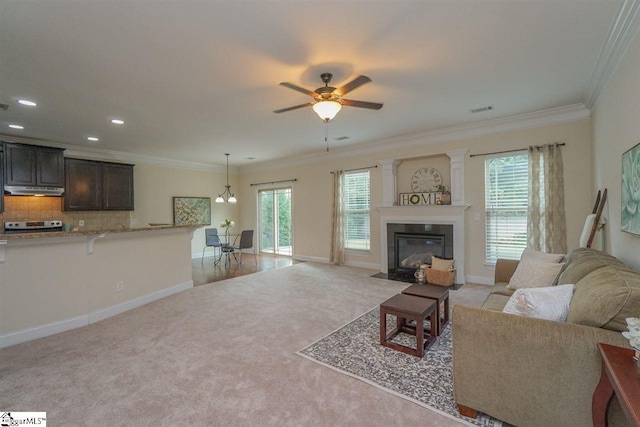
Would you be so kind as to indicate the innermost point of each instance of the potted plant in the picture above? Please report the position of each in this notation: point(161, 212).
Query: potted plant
point(445, 197)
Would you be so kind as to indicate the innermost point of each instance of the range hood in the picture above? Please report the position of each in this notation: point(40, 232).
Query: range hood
point(19, 190)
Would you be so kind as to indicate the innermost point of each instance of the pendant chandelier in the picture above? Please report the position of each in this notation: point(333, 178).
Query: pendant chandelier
point(227, 195)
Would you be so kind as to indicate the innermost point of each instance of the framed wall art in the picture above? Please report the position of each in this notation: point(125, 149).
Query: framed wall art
point(630, 215)
point(192, 210)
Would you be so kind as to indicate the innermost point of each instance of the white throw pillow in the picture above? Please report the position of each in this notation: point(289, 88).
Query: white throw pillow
point(532, 255)
point(551, 303)
point(534, 274)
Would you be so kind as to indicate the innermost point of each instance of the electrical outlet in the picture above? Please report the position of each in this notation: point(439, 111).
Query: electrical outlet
point(119, 286)
point(81, 223)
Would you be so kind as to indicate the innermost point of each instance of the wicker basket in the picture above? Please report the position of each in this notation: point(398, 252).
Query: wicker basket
point(440, 278)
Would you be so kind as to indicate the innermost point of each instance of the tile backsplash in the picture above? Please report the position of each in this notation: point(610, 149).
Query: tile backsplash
point(32, 208)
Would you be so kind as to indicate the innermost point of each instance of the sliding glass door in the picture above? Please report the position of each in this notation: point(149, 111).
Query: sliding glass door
point(276, 236)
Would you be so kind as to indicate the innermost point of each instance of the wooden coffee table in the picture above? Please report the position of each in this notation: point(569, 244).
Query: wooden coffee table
point(409, 307)
point(434, 292)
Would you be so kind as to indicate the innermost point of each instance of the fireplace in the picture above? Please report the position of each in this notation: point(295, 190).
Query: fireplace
point(445, 221)
point(424, 219)
point(413, 250)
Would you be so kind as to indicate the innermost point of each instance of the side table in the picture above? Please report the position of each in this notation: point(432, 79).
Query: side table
point(408, 307)
point(434, 292)
point(620, 375)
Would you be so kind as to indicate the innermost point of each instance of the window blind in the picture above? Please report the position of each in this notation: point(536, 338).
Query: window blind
point(357, 198)
point(506, 200)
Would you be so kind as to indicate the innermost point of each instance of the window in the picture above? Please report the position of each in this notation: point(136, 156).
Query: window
point(506, 200)
point(357, 234)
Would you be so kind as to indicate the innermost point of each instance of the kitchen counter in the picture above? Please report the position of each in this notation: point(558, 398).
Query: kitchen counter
point(46, 234)
point(52, 282)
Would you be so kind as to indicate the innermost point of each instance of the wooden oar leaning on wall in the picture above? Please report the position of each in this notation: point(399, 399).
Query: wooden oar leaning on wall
point(597, 210)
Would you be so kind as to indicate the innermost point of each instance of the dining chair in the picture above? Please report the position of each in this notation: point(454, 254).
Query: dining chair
point(246, 242)
point(212, 240)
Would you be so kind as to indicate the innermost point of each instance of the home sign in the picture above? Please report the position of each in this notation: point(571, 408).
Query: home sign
point(420, 199)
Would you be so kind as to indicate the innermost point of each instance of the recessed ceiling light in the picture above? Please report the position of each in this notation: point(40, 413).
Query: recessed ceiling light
point(16, 126)
point(92, 138)
point(27, 102)
point(117, 121)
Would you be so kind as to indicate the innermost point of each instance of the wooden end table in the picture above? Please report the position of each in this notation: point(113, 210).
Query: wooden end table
point(620, 375)
point(434, 292)
point(409, 307)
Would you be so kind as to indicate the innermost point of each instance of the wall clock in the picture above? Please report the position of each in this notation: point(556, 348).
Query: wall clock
point(426, 180)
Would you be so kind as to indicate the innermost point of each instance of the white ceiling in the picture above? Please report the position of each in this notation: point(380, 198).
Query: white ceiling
point(196, 79)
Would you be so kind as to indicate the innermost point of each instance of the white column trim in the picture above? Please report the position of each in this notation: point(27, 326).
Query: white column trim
point(389, 175)
point(457, 176)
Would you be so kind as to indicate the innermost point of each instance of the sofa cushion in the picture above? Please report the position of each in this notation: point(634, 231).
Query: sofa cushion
point(605, 297)
point(582, 262)
point(550, 303)
point(501, 289)
point(530, 254)
point(495, 302)
point(534, 274)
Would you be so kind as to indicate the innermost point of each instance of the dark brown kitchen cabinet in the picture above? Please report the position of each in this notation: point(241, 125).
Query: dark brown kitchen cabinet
point(98, 186)
point(117, 185)
point(83, 185)
point(32, 165)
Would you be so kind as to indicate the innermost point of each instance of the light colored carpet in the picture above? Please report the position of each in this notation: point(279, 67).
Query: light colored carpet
point(219, 354)
point(355, 350)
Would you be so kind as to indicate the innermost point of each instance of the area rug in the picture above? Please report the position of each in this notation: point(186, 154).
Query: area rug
point(355, 350)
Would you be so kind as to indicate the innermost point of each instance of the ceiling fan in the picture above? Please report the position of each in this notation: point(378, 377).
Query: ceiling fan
point(328, 99)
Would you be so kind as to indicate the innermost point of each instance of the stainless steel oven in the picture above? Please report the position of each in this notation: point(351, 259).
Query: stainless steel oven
point(32, 226)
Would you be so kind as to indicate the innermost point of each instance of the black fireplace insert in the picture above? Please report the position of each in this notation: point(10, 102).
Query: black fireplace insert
point(413, 250)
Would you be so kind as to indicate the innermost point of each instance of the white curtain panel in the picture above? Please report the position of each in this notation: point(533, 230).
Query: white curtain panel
point(546, 223)
point(337, 229)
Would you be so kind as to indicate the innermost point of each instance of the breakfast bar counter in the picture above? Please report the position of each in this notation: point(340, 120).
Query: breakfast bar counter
point(87, 232)
point(51, 282)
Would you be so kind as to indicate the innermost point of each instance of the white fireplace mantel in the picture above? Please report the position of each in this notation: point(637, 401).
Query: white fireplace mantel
point(440, 214)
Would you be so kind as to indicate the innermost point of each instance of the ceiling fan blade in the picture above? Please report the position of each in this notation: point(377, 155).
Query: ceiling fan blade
point(357, 82)
point(308, 104)
point(298, 88)
point(362, 104)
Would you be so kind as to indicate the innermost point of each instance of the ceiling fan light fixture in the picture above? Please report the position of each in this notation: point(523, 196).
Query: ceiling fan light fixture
point(327, 110)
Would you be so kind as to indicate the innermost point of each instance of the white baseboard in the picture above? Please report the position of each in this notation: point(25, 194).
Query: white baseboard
point(307, 258)
point(369, 265)
point(79, 321)
point(480, 280)
point(311, 259)
point(42, 331)
point(105, 313)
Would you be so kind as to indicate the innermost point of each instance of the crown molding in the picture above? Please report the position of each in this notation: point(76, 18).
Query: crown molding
point(620, 37)
point(552, 116)
point(93, 153)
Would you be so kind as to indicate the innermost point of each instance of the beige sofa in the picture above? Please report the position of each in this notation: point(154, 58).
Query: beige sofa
point(534, 372)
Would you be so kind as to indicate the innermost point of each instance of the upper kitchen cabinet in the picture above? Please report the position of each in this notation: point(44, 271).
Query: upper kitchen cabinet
point(98, 186)
point(83, 185)
point(117, 185)
point(31, 165)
